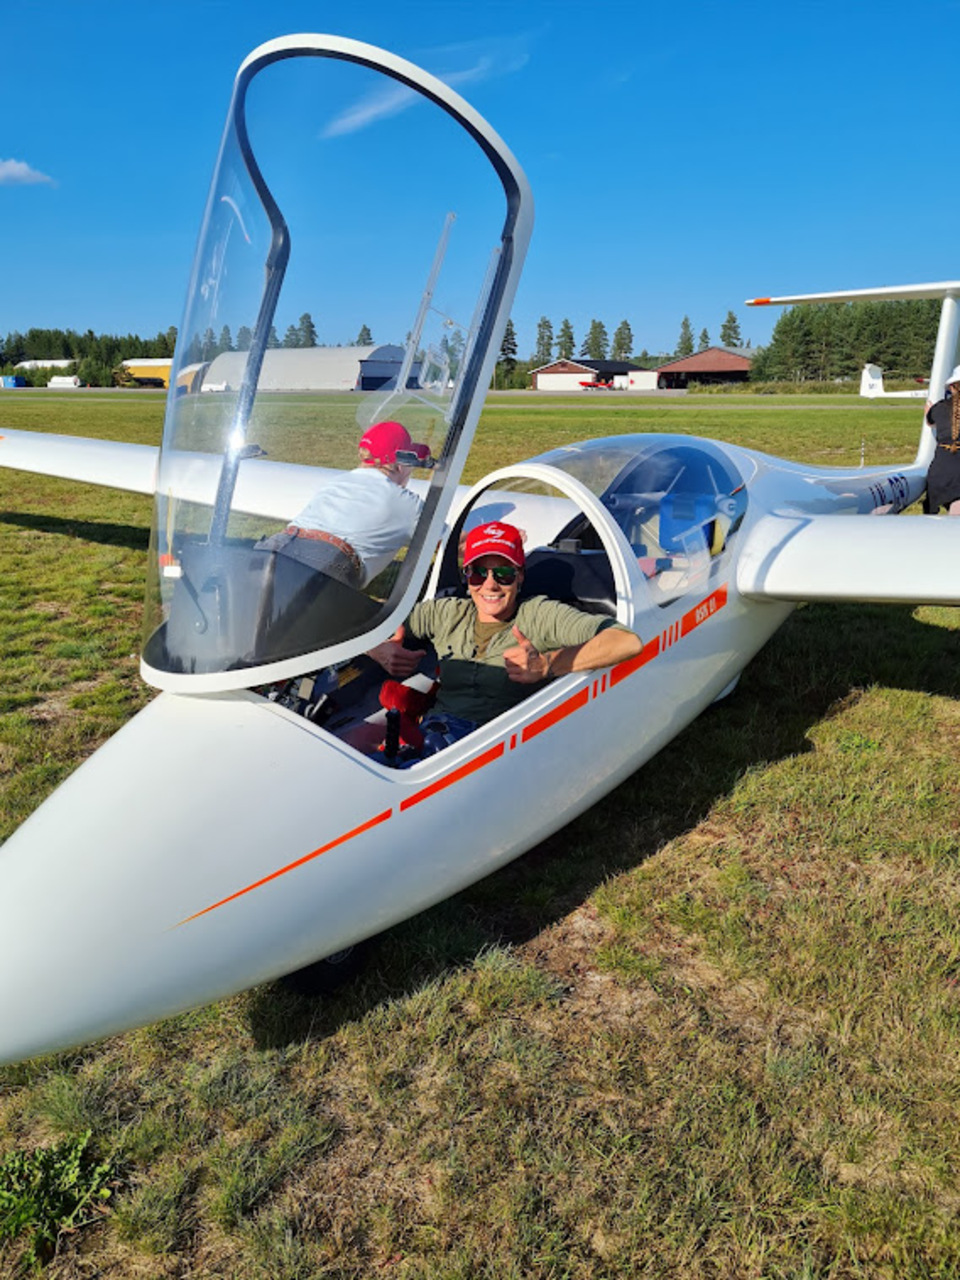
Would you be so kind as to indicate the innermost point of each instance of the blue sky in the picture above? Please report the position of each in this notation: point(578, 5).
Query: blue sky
point(683, 157)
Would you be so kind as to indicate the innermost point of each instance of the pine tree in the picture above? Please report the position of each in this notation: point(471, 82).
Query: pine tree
point(308, 332)
point(704, 340)
point(685, 341)
point(565, 341)
point(273, 340)
point(364, 337)
point(244, 338)
point(730, 332)
point(622, 342)
point(226, 341)
point(595, 343)
point(507, 360)
point(452, 348)
point(292, 337)
point(544, 350)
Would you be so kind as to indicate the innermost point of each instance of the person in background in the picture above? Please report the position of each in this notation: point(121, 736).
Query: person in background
point(943, 476)
point(354, 525)
point(495, 649)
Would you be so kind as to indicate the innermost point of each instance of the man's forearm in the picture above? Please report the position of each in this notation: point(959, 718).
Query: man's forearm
point(605, 648)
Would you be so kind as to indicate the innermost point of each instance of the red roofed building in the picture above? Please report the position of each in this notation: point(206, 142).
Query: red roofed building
point(716, 364)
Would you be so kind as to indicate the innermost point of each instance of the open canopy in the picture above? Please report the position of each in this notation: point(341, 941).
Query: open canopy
point(365, 228)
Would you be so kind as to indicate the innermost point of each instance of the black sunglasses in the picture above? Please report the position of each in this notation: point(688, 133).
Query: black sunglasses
point(504, 575)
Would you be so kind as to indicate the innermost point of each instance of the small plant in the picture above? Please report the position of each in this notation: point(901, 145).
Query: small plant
point(46, 1192)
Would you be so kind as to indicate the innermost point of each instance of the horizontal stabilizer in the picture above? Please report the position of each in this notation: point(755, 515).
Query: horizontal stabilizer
point(940, 289)
point(881, 559)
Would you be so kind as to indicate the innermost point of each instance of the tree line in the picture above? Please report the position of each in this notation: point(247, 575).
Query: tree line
point(823, 342)
point(208, 345)
point(97, 358)
point(820, 342)
point(561, 344)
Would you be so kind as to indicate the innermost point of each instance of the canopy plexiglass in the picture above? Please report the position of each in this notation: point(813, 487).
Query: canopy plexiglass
point(359, 253)
point(677, 501)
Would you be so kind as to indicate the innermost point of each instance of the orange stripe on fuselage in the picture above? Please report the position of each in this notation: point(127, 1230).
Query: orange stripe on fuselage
point(292, 866)
point(557, 713)
point(704, 610)
point(454, 776)
point(630, 665)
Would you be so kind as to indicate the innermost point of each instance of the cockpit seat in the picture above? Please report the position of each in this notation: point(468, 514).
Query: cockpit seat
point(581, 578)
point(688, 522)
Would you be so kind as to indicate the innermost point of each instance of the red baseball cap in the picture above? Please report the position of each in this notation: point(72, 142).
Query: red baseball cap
point(384, 440)
point(494, 539)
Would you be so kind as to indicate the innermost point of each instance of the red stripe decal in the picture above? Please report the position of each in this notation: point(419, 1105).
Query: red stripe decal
point(558, 713)
point(357, 831)
point(630, 665)
point(704, 610)
point(454, 776)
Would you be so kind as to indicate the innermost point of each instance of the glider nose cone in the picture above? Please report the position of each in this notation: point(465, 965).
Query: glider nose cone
point(105, 890)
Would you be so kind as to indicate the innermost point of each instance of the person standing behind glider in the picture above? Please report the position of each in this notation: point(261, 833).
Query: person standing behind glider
point(943, 477)
point(354, 525)
point(493, 648)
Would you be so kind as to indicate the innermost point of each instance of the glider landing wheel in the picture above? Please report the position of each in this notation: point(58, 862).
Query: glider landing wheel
point(326, 976)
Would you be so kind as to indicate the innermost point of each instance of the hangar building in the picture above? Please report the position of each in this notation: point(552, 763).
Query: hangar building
point(149, 371)
point(573, 375)
point(716, 364)
point(309, 369)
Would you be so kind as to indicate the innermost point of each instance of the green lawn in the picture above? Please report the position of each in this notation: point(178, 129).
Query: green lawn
point(711, 1029)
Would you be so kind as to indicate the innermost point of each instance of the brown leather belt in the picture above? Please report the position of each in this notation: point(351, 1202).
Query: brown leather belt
point(321, 535)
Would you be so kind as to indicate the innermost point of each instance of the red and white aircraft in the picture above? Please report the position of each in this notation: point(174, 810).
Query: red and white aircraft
point(230, 832)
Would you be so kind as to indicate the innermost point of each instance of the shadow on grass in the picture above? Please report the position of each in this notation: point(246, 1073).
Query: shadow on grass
point(821, 657)
point(135, 537)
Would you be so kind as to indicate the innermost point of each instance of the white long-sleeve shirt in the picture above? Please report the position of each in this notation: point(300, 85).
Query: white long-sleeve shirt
point(365, 508)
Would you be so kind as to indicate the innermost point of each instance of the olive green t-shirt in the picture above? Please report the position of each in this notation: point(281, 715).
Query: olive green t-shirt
point(475, 685)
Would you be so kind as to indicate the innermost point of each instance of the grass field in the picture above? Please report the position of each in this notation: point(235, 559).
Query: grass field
point(711, 1029)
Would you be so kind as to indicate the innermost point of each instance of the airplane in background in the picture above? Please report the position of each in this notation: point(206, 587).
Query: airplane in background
point(230, 832)
point(871, 386)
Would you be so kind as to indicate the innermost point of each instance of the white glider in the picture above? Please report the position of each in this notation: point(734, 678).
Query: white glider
point(231, 832)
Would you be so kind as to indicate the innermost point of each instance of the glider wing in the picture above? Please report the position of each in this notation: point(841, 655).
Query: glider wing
point(275, 490)
point(119, 466)
point(886, 559)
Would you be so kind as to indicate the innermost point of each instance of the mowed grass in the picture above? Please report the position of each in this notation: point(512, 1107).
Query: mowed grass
point(711, 1029)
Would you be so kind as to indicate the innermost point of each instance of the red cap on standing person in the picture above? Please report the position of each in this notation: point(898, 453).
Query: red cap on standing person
point(381, 442)
point(494, 539)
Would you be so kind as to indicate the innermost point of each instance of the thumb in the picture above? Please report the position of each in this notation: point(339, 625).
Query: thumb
point(519, 636)
point(399, 634)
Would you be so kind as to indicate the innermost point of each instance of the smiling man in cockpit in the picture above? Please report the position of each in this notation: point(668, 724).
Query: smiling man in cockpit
point(494, 647)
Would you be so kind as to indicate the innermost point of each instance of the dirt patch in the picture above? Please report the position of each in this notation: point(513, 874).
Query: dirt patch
point(567, 950)
point(55, 707)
